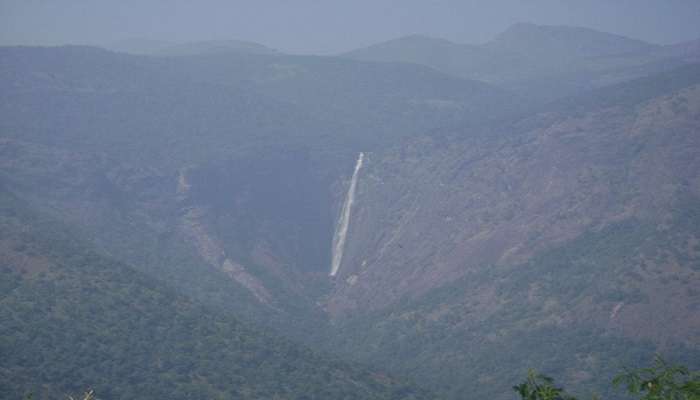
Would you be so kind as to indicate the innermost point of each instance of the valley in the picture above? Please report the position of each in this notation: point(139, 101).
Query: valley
point(383, 224)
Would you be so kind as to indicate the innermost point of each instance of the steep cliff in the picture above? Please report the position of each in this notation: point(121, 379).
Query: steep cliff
point(568, 241)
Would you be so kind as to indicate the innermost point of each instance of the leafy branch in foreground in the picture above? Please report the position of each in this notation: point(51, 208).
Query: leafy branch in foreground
point(659, 382)
point(540, 387)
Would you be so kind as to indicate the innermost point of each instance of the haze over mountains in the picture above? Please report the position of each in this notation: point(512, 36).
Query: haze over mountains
point(168, 216)
point(549, 61)
point(156, 47)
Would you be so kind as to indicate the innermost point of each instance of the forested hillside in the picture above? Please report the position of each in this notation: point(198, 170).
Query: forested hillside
point(568, 241)
point(73, 319)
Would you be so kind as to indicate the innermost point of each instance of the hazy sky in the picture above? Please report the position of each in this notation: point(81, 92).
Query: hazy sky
point(323, 26)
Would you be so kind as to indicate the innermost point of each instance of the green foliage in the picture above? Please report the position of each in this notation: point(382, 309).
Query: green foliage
point(540, 387)
point(662, 381)
point(72, 317)
point(456, 349)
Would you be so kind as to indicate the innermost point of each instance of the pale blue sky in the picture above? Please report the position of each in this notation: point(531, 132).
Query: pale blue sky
point(325, 26)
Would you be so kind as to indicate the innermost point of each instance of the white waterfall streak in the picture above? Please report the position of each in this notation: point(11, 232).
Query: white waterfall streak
point(341, 230)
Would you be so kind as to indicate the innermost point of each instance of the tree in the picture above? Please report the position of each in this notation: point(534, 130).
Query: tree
point(540, 387)
point(661, 382)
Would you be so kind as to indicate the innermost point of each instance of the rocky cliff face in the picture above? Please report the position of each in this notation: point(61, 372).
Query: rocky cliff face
point(572, 232)
point(429, 213)
point(210, 248)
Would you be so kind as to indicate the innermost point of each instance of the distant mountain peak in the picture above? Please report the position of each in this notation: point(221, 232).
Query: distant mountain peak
point(160, 47)
point(689, 50)
point(139, 45)
point(565, 41)
point(418, 37)
point(529, 28)
point(217, 47)
point(413, 41)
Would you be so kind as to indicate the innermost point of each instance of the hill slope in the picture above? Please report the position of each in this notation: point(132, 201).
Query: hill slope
point(74, 319)
point(211, 169)
point(548, 42)
point(569, 239)
point(214, 47)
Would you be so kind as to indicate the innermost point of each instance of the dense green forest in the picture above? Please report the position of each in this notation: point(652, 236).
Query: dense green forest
point(527, 320)
point(73, 319)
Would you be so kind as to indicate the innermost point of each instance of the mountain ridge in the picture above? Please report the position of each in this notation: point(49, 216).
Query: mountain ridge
point(528, 58)
point(142, 46)
point(562, 39)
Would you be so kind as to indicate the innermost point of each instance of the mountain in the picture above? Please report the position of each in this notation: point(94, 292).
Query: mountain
point(565, 42)
point(394, 100)
point(214, 47)
point(139, 46)
point(618, 130)
point(142, 46)
point(689, 50)
point(567, 241)
point(539, 61)
point(145, 154)
point(74, 319)
point(488, 230)
point(443, 55)
point(462, 60)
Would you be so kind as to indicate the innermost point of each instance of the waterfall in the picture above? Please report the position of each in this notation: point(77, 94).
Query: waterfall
point(341, 229)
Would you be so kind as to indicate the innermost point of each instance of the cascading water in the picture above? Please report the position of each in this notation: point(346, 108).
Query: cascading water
point(341, 229)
